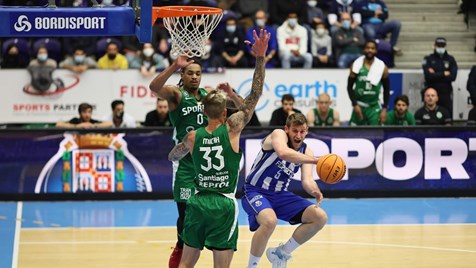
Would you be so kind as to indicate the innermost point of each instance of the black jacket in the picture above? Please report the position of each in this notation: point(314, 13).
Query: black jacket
point(440, 64)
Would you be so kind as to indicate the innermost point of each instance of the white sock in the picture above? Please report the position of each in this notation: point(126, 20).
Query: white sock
point(290, 246)
point(253, 261)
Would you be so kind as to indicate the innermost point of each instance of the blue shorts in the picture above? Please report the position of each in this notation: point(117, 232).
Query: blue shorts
point(285, 204)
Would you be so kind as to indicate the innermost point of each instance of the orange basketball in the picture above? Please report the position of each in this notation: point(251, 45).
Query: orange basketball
point(331, 168)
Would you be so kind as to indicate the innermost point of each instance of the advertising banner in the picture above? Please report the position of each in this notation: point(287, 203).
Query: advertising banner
point(378, 159)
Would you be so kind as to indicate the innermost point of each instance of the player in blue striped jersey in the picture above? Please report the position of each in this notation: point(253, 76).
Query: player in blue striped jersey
point(267, 199)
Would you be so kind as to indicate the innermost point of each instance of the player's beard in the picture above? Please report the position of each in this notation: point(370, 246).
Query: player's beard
point(369, 56)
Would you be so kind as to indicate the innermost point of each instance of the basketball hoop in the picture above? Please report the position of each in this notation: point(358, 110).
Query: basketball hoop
point(189, 27)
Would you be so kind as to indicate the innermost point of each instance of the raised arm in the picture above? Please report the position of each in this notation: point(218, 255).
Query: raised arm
point(238, 121)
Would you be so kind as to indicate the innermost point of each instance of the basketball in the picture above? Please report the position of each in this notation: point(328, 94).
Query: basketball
point(331, 168)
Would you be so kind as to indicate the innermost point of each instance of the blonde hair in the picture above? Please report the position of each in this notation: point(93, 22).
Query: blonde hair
point(214, 104)
point(296, 119)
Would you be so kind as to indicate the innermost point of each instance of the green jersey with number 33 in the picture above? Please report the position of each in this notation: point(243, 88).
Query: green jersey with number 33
point(216, 164)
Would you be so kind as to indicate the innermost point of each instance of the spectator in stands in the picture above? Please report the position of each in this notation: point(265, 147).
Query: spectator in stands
point(347, 42)
point(41, 71)
point(374, 15)
point(161, 39)
point(336, 9)
point(247, 10)
point(471, 85)
point(113, 59)
point(42, 59)
point(431, 113)
point(279, 116)
point(321, 47)
point(79, 62)
point(292, 43)
point(160, 116)
point(211, 61)
point(85, 119)
point(440, 70)
point(149, 62)
point(12, 59)
point(261, 20)
point(118, 117)
point(323, 114)
point(279, 11)
point(232, 45)
point(400, 116)
point(87, 43)
point(131, 47)
point(315, 15)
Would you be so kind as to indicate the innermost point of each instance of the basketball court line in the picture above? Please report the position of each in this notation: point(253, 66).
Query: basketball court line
point(16, 240)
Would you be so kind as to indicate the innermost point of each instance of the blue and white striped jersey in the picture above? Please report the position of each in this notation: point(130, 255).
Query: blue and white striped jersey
point(270, 172)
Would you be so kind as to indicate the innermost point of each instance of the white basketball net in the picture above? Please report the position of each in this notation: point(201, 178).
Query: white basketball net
point(190, 34)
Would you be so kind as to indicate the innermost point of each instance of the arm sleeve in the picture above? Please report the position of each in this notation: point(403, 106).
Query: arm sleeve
point(386, 91)
point(350, 89)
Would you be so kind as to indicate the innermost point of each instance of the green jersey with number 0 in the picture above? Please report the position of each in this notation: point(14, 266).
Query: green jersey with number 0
point(216, 164)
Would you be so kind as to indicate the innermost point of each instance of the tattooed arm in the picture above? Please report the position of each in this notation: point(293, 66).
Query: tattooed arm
point(233, 100)
point(182, 149)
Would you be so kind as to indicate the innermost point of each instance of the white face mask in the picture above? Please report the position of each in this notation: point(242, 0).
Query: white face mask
point(292, 22)
point(79, 58)
point(42, 57)
point(440, 50)
point(320, 31)
point(148, 51)
point(312, 3)
point(260, 22)
point(207, 48)
point(107, 2)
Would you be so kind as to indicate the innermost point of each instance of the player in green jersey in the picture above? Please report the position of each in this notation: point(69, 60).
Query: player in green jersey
point(186, 114)
point(400, 116)
point(211, 219)
point(369, 74)
point(323, 115)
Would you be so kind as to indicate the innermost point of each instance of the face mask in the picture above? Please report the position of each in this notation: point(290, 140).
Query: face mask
point(231, 28)
point(120, 115)
point(440, 50)
point(346, 24)
point(107, 2)
point(148, 51)
point(345, 1)
point(312, 3)
point(79, 58)
point(111, 56)
point(260, 22)
point(292, 22)
point(42, 57)
point(321, 31)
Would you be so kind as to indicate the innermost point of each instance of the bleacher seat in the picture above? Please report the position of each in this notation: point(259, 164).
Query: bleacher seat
point(385, 52)
point(52, 45)
point(101, 45)
point(21, 44)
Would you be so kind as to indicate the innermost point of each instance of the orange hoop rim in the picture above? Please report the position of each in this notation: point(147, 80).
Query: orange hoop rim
point(184, 11)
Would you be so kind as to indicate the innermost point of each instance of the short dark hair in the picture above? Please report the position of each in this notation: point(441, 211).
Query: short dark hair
point(373, 42)
point(115, 103)
point(403, 98)
point(287, 97)
point(84, 106)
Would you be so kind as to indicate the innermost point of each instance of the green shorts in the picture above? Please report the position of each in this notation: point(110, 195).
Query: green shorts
point(183, 180)
point(371, 116)
point(211, 220)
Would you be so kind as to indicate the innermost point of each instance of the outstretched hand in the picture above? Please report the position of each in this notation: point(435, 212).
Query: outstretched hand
point(261, 42)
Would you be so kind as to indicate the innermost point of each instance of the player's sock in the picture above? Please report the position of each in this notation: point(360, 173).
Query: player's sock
point(290, 246)
point(175, 257)
point(253, 261)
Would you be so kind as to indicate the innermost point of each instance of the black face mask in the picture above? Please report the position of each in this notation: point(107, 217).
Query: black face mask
point(111, 56)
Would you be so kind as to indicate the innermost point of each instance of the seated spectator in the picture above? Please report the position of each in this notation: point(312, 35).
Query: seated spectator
point(118, 117)
point(247, 10)
point(160, 116)
point(279, 11)
point(400, 116)
point(131, 47)
point(113, 59)
point(292, 43)
point(12, 59)
point(79, 62)
point(261, 20)
point(431, 113)
point(211, 62)
point(85, 119)
point(87, 43)
point(348, 42)
point(315, 15)
point(42, 59)
point(149, 62)
point(41, 71)
point(374, 15)
point(232, 46)
point(337, 7)
point(321, 47)
point(279, 116)
point(323, 115)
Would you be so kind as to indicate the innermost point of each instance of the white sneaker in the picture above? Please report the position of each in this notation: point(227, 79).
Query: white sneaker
point(277, 257)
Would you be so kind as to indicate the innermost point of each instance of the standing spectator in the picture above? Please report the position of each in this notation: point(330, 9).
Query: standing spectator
point(347, 42)
point(232, 45)
point(113, 59)
point(400, 116)
point(261, 20)
point(369, 74)
point(321, 47)
point(85, 119)
point(374, 15)
point(160, 116)
point(337, 8)
point(440, 70)
point(79, 62)
point(280, 115)
point(323, 115)
point(292, 43)
point(148, 62)
point(431, 113)
point(471, 87)
point(12, 59)
point(118, 117)
point(279, 11)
